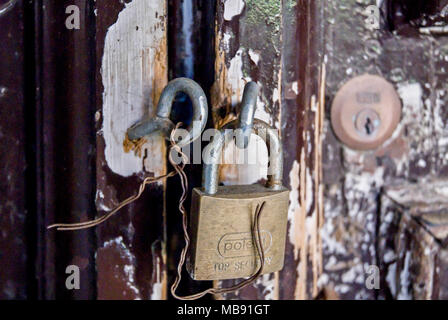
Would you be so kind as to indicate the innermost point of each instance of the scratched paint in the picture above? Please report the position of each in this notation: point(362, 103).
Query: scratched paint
point(121, 274)
point(134, 73)
point(232, 8)
point(131, 258)
point(354, 180)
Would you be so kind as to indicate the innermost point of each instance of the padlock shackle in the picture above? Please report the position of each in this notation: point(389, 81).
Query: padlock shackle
point(213, 153)
point(247, 113)
point(162, 123)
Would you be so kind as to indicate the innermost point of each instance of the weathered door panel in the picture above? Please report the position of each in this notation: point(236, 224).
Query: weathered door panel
point(13, 257)
point(61, 146)
point(131, 71)
point(413, 246)
point(82, 88)
point(270, 42)
point(416, 65)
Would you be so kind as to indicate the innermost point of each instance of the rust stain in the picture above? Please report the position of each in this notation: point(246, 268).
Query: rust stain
point(221, 91)
point(318, 174)
point(328, 293)
point(159, 82)
point(160, 79)
point(156, 164)
point(124, 278)
point(134, 145)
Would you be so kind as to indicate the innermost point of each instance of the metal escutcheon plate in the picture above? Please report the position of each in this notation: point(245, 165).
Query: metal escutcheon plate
point(365, 112)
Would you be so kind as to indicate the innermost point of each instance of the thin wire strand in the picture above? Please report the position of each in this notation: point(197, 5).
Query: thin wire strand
point(146, 181)
point(179, 170)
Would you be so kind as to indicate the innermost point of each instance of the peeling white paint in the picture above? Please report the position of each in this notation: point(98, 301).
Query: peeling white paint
point(226, 40)
point(413, 107)
point(128, 72)
point(233, 8)
point(235, 77)
point(256, 154)
point(157, 291)
point(389, 256)
point(267, 281)
point(421, 163)
point(349, 276)
point(294, 205)
point(254, 56)
point(157, 287)
point(404, 293)
point(323, 280)
point(330, 244)
point(261, 113)
point(295, 87)
point(342, 288)
point(252, 162)
point(128, 269)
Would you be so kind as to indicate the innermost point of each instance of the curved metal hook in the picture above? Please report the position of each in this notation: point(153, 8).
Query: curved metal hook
point(7, 6)
point(246, 118)
point(213, 153)
point(162, 123)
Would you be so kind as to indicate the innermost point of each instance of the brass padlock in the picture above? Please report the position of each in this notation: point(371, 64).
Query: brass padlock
point(221, 218)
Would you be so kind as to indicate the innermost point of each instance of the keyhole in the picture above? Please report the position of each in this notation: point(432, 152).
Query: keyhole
point(367, 122)
point(368, 126)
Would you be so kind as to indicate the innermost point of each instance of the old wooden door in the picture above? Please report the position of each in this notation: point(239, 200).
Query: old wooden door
point(69, 89)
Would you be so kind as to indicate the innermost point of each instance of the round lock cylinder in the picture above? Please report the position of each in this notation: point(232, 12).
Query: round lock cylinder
point(365, 112)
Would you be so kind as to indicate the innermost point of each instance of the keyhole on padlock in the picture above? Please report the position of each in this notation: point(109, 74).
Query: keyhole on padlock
point(367, 122)
point(368, 126)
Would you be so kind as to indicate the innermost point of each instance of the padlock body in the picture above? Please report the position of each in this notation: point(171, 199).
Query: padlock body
point(222, 242)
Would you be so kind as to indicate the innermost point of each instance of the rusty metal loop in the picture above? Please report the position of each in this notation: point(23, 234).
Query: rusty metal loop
point(161, 122)
point(4, 8)
point(213, 152)
point(246, 118)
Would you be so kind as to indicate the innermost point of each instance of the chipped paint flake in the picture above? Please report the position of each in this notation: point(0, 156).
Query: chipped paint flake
point(158, 286)
point(125, 272)
point(294, 205)
point(133, 73)
point(233, 8)
point(254, 56)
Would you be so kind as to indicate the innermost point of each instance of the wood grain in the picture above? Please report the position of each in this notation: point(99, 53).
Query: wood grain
point(131, 73)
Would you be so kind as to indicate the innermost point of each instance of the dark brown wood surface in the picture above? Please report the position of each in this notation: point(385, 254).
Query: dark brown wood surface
point(64, 96)
point(68, 95)
point(13, 253)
